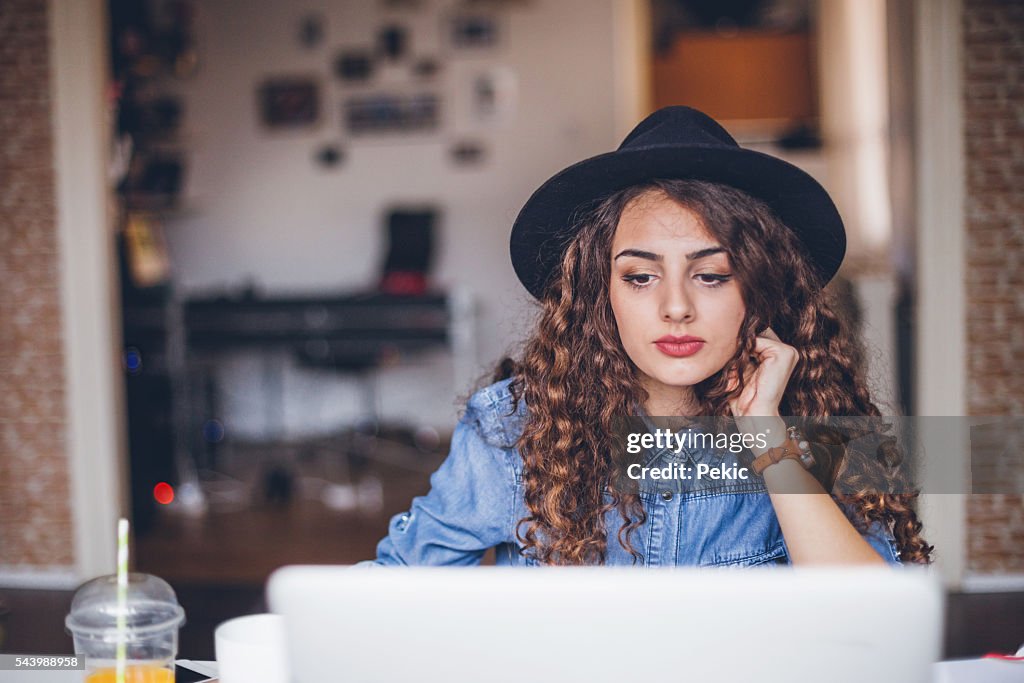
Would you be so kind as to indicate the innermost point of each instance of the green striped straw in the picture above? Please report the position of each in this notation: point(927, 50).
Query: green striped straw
point(122, 596)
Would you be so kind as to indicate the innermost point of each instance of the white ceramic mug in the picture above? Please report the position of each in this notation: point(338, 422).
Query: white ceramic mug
point(252, 649)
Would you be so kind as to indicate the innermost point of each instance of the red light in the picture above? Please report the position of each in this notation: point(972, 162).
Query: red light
point(163, 493)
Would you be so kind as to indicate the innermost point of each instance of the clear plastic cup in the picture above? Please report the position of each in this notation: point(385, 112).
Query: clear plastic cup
point(152, 619)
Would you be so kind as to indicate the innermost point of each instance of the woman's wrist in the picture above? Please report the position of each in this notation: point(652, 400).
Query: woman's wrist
point(769, 430)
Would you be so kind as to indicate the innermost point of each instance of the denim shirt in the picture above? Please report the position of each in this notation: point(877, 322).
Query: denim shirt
point(476, 500)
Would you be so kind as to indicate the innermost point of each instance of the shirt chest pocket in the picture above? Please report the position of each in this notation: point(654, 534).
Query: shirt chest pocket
point(729, 529)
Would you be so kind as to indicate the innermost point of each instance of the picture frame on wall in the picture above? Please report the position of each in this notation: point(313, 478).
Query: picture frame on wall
point(494, 94)
point(393, 42)
point(473, 31)
point(290, 102)
point(468, 153)
point(311, 30)
point(354, 66)
point(387, 113)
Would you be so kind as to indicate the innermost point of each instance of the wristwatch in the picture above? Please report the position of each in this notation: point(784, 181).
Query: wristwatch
point(794, 447)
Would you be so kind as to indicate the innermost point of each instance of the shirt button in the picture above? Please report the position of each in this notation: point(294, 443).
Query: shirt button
point(666, 495)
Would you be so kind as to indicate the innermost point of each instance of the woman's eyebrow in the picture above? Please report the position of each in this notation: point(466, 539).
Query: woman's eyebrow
point(651, 256)
point(639, 253)
point(705, 252)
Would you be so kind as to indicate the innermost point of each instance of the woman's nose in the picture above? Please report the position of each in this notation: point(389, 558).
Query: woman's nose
point(676, 306)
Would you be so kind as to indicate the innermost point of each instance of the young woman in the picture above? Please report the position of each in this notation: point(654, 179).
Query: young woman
point(680, 275)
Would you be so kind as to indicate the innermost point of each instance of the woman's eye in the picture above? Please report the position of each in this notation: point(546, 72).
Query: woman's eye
point(713, 279)
point(638, 280)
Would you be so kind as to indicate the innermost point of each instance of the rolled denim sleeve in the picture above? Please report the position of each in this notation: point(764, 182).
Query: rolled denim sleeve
point(877, 535)
point(469, 507)
point(881, 539)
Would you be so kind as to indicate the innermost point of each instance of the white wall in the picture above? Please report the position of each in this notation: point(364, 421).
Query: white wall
point(259, 210)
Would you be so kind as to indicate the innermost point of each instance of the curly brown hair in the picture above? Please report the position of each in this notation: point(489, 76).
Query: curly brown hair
point(576, 378)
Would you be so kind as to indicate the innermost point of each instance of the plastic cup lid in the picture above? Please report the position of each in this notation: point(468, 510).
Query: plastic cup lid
point(151, 606)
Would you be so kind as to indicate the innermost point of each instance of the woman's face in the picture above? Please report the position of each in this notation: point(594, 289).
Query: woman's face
point(676, 303)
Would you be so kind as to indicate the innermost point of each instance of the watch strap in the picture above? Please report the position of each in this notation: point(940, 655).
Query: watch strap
point(790, 448)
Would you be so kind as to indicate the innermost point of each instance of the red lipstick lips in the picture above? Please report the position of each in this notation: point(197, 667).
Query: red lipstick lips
point(679, 347)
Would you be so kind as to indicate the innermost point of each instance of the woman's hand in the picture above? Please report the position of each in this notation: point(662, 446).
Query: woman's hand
point(765, 384)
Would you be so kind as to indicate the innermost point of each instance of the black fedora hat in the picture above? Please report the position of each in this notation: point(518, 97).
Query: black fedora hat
point(674, 142)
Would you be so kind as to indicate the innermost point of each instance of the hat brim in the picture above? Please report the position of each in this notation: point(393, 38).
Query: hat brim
point(541, 229)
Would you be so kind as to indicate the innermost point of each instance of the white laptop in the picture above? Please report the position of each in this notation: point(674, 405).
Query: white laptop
point(597, 625)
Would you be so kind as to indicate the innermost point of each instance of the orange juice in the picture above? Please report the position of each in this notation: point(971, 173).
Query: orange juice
point(133, 673)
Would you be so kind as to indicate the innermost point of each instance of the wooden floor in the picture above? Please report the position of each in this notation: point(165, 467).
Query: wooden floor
point(245, 546)
point(242, 541)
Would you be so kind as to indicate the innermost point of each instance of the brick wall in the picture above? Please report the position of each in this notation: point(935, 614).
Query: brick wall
point(994, 128)
point(35, 516)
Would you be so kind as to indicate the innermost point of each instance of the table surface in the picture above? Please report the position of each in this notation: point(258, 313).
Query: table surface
point(952, 671)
